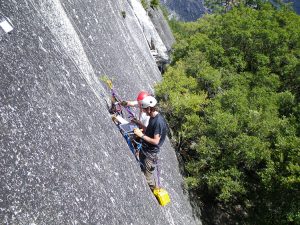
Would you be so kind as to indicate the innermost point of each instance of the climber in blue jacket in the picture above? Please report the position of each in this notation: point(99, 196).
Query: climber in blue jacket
point(152, 139)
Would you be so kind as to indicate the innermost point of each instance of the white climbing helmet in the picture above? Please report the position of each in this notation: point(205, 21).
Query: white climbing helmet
point(148, 101)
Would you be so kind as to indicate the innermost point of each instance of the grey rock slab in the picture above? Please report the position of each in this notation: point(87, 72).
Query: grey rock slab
point(62, 160)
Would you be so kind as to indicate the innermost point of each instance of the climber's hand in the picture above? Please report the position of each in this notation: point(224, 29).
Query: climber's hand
point(124, 103)
point(138, 132)
point(135, 120)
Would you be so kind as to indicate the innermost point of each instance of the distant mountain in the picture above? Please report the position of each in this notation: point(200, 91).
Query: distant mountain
point(191, 10)
point(296, 4)
point(185, 10)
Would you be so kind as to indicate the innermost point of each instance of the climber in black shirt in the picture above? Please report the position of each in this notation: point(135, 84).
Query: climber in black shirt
point(153, 138)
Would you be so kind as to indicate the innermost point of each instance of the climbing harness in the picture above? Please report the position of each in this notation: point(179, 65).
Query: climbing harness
point(127, 132)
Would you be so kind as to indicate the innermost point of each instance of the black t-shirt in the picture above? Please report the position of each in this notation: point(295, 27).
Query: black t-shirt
point(157, 125)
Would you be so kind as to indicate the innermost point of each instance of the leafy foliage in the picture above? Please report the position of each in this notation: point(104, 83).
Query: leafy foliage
point(231, 96)
point(145, 4)
point(154, 3)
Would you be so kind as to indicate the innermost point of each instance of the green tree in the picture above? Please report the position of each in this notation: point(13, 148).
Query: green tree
point(154, 3)
point(231, 96)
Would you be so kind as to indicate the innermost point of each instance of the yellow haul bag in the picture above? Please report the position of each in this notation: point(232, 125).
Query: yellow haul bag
point(162, 196)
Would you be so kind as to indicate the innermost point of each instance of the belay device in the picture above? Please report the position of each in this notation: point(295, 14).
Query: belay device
point(126, 128)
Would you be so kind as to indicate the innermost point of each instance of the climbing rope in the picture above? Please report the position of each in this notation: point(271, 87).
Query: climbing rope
point(134, 145)
point(117, 100)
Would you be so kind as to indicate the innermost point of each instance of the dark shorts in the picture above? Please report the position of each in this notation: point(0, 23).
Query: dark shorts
point(148, 161)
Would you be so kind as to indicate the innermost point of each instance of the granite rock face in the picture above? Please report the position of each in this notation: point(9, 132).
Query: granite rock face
point(62, 160)
point(162, 27)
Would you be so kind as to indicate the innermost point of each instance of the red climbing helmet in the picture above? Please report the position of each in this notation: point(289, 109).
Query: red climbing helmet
point(142, 95)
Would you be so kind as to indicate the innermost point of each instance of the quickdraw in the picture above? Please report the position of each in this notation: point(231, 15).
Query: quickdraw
point(116, 106)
